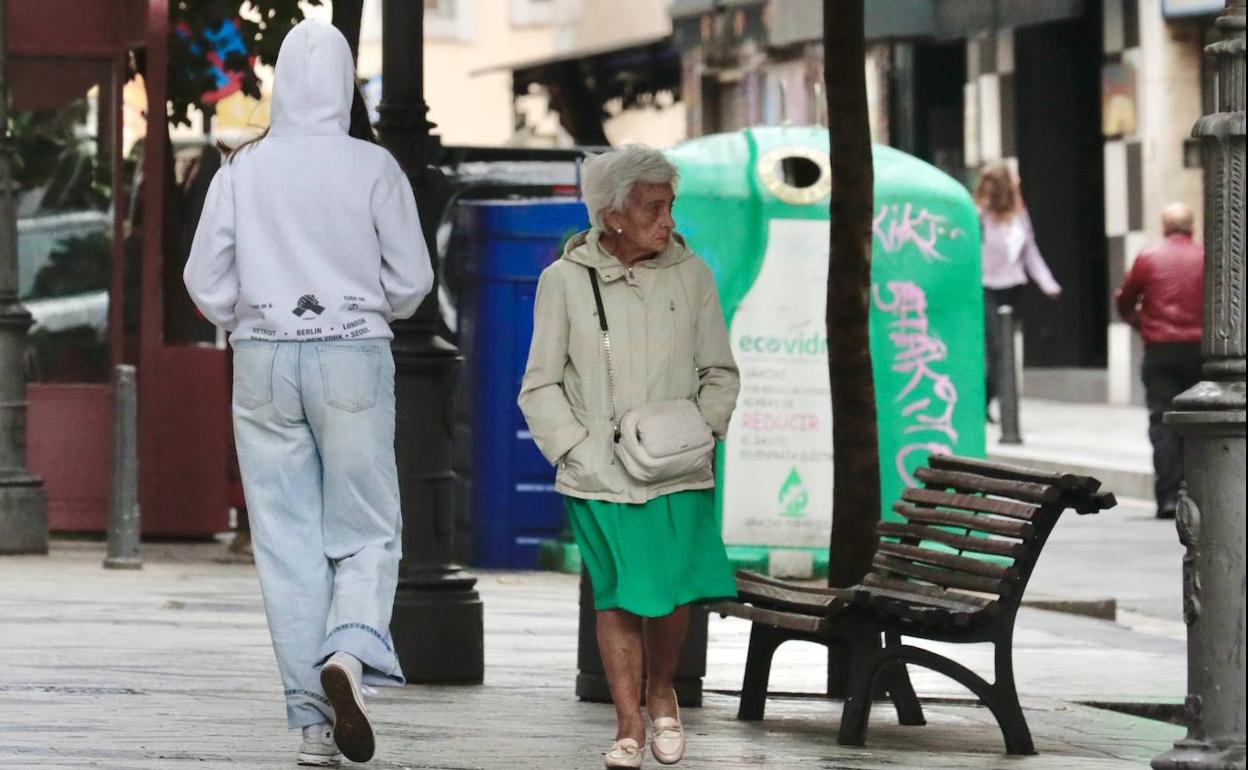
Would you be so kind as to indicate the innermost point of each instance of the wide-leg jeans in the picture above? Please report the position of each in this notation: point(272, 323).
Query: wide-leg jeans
point(314, 426)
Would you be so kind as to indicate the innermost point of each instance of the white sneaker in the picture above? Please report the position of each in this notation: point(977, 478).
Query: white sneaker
point(340, 678)
point(318, 748)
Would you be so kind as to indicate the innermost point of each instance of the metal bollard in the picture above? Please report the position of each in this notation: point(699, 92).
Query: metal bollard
point(123, 510)
point(1007, 377)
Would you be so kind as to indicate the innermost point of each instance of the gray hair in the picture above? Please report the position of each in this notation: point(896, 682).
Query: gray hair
point(608, 179)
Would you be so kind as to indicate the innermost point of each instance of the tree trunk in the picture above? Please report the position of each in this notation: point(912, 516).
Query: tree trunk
point(346, 17)
point(855, 441)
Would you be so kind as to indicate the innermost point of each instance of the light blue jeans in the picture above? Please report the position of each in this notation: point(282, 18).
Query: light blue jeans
point(314, 426)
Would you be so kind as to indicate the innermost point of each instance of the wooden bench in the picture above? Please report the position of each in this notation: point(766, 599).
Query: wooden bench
point(953, 571)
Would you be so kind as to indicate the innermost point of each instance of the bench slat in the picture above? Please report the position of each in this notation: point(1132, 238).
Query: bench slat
point(805, 623)
point(926, 615)
point(1007, 508)
point(805, 602)
point(747, 577)
point(1101, 501)
point(1016, 529)
point(939, 576)
point(949, 561)
point(1068, 481)
point(874, 581)
point(961, 542)
point(971, 482)
point(951, 605)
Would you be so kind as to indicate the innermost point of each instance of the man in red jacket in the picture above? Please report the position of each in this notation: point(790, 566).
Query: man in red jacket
point(1163, 297)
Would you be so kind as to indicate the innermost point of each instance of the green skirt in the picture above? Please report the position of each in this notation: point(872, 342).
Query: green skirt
point(651, 558)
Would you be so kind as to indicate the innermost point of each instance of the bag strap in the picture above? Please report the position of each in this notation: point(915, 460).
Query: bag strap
point(606, 346)
point(602, 314)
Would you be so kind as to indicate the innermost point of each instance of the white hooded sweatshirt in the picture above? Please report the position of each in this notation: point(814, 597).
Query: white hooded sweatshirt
point(309, 234)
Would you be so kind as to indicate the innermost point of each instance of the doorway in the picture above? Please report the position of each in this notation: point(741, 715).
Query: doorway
point(1060, 149)
point(939, 72)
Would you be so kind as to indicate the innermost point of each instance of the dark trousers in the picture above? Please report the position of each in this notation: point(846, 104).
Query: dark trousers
point(994, 299)
point(1169, 369)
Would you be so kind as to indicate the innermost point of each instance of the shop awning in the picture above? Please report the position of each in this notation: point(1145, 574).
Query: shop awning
point(581, 82)
point(58, 49)
point(793, 22)
point(620, 70)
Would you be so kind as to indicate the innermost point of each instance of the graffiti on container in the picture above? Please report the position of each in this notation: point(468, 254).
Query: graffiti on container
point(898, 225)
point(929, 396)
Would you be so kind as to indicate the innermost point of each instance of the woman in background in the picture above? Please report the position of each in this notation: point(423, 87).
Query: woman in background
point(1010, 256)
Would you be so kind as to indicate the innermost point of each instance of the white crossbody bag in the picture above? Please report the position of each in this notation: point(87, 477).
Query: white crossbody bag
point(657, 441)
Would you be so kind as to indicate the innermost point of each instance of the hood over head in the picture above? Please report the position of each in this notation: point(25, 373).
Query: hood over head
point(314, 82)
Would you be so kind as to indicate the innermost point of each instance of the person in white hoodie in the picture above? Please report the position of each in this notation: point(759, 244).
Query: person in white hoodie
point(309, 245)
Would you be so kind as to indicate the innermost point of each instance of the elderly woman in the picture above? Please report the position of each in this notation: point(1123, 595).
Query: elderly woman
point(627, 319)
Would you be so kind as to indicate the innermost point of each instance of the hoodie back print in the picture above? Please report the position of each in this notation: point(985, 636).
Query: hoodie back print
point(309, 234)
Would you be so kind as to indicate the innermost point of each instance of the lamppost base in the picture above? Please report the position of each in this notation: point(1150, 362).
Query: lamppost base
point(23, 516)
point(1198, 755)
point(438, 634)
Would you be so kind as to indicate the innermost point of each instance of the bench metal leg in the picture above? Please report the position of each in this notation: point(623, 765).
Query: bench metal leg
point(1001, 698)
point(764, 640)
point(1007, 709)
point(874, 666)
point(866, 660)
point(896, 679)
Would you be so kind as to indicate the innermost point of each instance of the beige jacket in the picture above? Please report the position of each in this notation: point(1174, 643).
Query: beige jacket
point(668, 341)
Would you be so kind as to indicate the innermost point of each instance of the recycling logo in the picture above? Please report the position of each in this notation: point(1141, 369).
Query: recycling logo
point(793, 497)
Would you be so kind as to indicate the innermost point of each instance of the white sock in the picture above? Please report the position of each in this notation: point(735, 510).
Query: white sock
point(350, 663)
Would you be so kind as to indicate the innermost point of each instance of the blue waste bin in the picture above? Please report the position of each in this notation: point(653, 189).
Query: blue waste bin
point(512, 499)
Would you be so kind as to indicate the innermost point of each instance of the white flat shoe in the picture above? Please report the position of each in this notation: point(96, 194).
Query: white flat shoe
point(667, 739)
point(623, 753)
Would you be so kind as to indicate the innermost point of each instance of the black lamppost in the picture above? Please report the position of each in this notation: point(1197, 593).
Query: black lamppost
point(1210, 417)
point(437, 624)
point(23, 517)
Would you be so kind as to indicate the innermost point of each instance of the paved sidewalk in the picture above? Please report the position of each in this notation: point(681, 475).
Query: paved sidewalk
point(1125, 555)
point(1101, 440)
point(171, 667)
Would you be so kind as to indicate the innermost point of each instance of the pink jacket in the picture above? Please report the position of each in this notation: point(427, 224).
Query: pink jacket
point(1010, 254)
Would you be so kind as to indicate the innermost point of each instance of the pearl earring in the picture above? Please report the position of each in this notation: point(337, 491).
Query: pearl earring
point(619, 230)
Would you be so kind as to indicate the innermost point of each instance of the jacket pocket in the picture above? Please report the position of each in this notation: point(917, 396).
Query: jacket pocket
point(253, 373)
point(577, 458)
point(589, 466)
point(350, 375)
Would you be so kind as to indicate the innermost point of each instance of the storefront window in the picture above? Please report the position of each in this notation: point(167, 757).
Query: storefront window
point(64, 239)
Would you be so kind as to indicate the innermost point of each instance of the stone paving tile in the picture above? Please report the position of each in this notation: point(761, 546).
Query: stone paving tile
point(170, 667)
